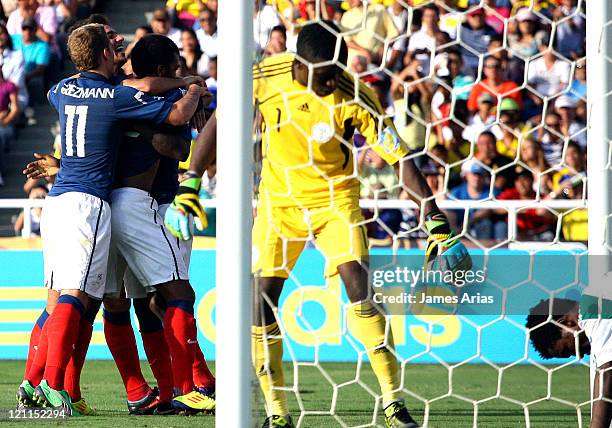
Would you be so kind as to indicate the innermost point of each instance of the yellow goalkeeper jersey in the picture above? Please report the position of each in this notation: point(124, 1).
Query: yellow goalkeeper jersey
point(307, 150)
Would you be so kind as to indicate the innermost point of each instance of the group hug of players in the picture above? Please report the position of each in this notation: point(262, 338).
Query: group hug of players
point(116, 226)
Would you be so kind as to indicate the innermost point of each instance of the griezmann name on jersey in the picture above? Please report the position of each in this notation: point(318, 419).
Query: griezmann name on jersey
point(307, 145)
point(91, 111)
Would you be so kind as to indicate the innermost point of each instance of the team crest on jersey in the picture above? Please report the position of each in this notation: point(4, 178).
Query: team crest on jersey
point(389, 140)
point(321, 132)
point(138, 96)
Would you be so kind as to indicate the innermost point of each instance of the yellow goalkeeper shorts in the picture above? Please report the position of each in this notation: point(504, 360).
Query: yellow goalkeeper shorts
point(280, 234)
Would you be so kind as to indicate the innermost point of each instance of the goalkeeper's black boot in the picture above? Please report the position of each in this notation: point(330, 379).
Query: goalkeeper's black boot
point(276, 421)
point(397, 416)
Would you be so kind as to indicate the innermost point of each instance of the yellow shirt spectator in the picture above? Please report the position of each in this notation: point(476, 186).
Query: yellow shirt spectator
point(378, 26)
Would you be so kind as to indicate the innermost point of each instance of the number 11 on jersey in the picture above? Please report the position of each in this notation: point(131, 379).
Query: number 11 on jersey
point(81, 113)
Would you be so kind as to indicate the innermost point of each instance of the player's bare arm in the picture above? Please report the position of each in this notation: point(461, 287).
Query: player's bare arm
point(415, 185)
point(205, 149)
point(184, 109)
point(602, 394)
point(161, 85)
point(187, 201)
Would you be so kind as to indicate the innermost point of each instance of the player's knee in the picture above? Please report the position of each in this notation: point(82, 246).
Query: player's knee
point(92, 311)
point(177, 290)
point(116, 305)
point(52, 297)
point(268, 290)
point(147, 319)
point(355, 280)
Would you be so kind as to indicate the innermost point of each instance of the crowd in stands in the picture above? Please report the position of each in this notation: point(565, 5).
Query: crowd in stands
point(32, 51)
point(491, 98)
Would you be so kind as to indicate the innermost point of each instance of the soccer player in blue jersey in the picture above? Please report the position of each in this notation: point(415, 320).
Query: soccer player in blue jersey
point(76, 222)
point(145, 182)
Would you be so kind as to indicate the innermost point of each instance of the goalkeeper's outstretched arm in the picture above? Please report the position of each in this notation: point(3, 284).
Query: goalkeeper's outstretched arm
point(205, 148)
point(414, 183)
point(187, 203)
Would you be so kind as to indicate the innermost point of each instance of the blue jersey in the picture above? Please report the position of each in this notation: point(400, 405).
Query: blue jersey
point(91, 110)
point(137, 156)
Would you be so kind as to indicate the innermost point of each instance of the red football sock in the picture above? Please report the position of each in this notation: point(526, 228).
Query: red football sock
point(62, 336)
point(72, 378)
point(158, 354)
point(180, 331)
point(122, 344)
point(34, 339)
point(37, 367)
point(201, 373)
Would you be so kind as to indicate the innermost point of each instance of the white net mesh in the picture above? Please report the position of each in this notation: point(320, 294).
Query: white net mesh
point(490, 97)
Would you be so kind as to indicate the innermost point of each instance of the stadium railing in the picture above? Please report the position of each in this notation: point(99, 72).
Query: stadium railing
point(513, 207)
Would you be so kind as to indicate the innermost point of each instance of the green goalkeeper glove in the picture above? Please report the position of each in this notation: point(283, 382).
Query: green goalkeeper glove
point(186, 203)
point(443, 246)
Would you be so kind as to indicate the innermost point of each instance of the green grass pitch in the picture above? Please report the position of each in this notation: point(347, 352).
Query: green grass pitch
point(103, 389)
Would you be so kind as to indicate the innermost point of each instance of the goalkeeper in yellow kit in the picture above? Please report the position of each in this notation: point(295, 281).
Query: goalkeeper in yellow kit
point(309, 188)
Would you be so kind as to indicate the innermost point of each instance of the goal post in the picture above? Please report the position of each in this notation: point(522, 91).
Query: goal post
point(599, 110)
point(234, 214)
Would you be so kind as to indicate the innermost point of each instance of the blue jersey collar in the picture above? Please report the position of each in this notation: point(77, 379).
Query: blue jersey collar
point(93, 76)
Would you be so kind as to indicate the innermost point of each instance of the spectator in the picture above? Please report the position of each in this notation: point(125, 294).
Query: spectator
point(423, 42)
point(412, 110)
point(493, 84)
point(196, 63)
point(38, 192)
point(475, 187)
point(185, 11)
point(278, 41)
point(13, 67)
point(379, 181)
point(211, 82)
point(509, 115)
point(578, 87)
point(462, 83)
point(207, 33)
point(359, 64)
point(565, 107)
point(486, 154)
point(483, 120)
point(551, 138)
point(496, 12)
point(513, 68)
point(44, 16)
point(36, 55)
point(213, 6)
point(572, 173)
point(265, 18)
point(161, 24)
point(532, 156)
point(140, 32)
point(208, 190)
point(547, 75)
point(529, 37)
point(434, 175)
point(532, 223)
point(475, 34)
point(367, 38)
point(571, 30)
point(9, 112)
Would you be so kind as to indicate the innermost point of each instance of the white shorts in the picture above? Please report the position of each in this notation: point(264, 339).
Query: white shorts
point(141, 241)
point(76, 231)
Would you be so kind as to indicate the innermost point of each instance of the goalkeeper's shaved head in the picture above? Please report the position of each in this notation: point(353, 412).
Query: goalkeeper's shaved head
point(320, 43)
point(316, 43)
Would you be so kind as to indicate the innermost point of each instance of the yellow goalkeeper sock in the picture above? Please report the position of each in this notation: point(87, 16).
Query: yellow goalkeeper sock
point(368, 325)
point(267, 350)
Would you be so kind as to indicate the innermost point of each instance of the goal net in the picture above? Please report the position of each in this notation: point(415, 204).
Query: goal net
point(490, 98)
